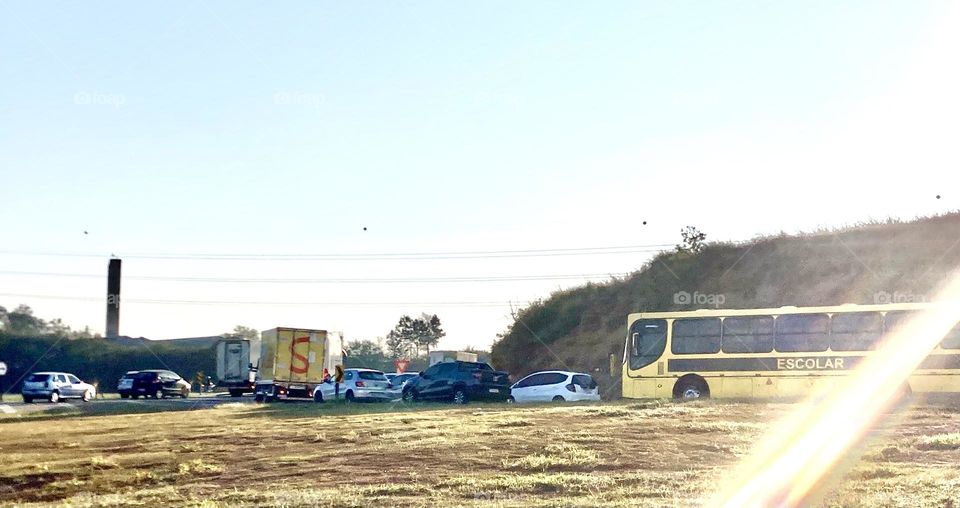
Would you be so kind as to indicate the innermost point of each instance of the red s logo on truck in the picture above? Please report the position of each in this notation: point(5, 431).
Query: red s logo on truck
point(294, 356)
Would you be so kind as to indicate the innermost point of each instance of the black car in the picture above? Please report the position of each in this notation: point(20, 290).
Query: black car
point(153, 383)
point(459, 382)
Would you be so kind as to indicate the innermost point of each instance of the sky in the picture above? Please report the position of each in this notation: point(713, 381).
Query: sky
point(291, 152)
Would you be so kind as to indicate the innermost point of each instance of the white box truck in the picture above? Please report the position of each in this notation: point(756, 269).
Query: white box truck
point(293, 361)
point(235, 370)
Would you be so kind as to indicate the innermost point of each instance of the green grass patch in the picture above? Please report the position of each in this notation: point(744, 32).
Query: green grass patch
point(557, 457)
point(939, 442)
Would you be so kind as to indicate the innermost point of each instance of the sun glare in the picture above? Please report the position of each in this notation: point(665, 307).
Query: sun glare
point(790, 464)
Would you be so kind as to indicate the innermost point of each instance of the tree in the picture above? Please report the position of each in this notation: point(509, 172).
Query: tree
point(243, 332)
point(365, 347)
point(58, 328)
point(402, 339)
point(23, 322)
point(4, 320)
point(410, 335)
point(693, 240)
point(397, 345)
point(429, 331)
point(366, 353)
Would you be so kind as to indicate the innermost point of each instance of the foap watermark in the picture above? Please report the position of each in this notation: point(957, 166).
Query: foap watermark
point(698, 298)
point(881, 297)
point(298, 98)
point(113, 100)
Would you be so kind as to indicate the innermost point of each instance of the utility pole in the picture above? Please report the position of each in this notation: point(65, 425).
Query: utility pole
point(113, 299)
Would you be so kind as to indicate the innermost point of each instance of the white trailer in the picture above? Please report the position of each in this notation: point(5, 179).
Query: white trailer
point(235, 370)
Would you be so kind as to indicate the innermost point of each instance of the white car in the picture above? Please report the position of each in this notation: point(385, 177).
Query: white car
point(55, 386)
point(358, 384)
point(555, 385)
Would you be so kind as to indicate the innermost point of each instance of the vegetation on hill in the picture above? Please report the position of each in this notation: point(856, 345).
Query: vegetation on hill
point(578, 329)
point(100, 361)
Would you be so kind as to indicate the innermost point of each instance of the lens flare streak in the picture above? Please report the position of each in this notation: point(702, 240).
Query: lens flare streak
point(792, 462)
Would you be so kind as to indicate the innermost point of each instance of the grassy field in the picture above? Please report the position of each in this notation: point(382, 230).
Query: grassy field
point(648, 453)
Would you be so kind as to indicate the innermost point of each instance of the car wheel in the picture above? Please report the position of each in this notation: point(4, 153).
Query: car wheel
point(409, 395)
point(318, 396)
point(28, 400)
point(236, 393)
point(349, 396)
point(559, 398)
point(511, 400)
point(258, 397)
point(87, 395)
point(459, 396)
point(54, 397)
point(158, 394)
point(124, 395)
point(184, 394)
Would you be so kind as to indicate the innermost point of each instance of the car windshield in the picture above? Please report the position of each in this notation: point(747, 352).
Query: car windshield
point(38, 378)
point(372, 375)
point(145, 375)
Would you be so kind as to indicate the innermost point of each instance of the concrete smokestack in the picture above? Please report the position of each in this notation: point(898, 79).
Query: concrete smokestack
point(113, 298)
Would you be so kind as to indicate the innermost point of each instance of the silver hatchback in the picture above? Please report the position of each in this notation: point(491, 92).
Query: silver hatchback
point(54, 386)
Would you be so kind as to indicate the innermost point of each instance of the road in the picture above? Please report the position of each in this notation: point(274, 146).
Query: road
point(101, 406)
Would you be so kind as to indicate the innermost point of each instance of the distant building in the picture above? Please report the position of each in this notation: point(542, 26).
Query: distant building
point(449, 356)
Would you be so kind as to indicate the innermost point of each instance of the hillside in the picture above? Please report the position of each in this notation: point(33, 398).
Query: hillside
point(580, 328)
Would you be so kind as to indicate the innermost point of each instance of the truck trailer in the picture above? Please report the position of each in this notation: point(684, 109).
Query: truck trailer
point(294, 360)
point(235, 370)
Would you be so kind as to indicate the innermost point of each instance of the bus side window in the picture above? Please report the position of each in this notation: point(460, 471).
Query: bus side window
point(649, 338)
point(806, 333)
point(895, 319)
point(695, 336)
point(855, 331)
point(751, 334)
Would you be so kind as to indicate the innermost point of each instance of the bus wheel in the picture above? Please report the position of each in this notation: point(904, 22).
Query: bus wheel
point(691, 387)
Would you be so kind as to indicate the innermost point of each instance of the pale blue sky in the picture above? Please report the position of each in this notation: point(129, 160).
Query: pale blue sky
point(241, 127)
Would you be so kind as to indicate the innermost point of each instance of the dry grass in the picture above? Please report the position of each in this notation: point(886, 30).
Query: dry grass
point(627, 454)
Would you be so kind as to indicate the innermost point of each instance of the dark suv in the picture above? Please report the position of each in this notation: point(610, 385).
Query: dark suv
point(458, 382)
point(154, 383)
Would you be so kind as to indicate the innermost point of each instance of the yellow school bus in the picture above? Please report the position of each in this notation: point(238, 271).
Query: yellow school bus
point(778, 352)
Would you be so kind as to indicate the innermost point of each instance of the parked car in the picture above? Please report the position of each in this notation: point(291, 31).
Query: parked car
point(125, 384)
point(459, 382)
point(358, 384)
point(400, 380)
point(156, 384)
point(55, 386)
point(555, 385)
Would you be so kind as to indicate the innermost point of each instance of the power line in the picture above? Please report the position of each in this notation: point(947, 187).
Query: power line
point(507, 278)
point(247, 302)
point(581, 251)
